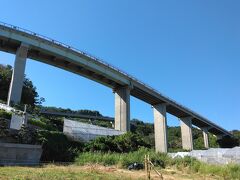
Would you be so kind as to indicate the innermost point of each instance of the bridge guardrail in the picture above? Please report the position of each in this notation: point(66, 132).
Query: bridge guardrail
point(79, 51)
point(88, 55)
point(98, 60)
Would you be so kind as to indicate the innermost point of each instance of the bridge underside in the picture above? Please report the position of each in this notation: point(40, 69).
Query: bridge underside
point(39, 54)
point(27, 44)
point(11, 46)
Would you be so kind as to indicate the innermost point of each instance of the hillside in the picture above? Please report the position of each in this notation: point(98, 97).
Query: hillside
point(31, 98)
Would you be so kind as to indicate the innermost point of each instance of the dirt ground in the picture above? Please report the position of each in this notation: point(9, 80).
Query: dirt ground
point(167, 174)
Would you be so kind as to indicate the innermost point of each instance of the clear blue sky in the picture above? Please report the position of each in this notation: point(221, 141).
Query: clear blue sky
point(188, 50)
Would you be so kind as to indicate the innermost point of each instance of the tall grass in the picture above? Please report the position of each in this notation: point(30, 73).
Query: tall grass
point(187, 164)
point(230, 171)
point(120, 159)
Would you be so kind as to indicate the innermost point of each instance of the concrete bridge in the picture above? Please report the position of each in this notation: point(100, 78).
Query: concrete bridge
point(77, 115)
point(26, 44)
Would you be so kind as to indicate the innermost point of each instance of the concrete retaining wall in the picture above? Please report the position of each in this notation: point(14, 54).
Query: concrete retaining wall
point(19, 154)
point(86, 132)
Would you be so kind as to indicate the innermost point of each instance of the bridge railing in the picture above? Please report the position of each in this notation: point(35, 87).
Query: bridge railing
point(98, 60)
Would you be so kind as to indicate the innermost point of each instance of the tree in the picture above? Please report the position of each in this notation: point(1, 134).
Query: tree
point(29, 94)
point(122, 144)
point(236, 134)
point(5, 79)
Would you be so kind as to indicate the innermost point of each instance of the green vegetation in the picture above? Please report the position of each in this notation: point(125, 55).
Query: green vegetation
point(186, 168)
point(116, 150)
point(187, 164)
point(53, 124)
point(122, 144)
point(122, 160)
point(29, 93)
point(57, 147)
point(4, 114)
point(5, 79)
point(62, 110)
point(236, 134)
point(146, 130)
point(58, 172)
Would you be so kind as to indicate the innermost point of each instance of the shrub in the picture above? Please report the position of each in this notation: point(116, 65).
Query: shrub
point(27, 135)
point(42, 124)
point(3, 128)
point(228, 142)
point(5, 115)
point(122, 144)
point(186, 163)
point(122, 159)
point(57, 147)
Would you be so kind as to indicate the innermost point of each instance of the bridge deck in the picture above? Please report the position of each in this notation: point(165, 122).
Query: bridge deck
point(54, 53)
point(77, 115)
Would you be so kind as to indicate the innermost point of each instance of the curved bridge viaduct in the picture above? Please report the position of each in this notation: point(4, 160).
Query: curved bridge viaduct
point(26, 44)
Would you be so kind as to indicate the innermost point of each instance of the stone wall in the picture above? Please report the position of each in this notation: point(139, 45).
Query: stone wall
point(20, 154)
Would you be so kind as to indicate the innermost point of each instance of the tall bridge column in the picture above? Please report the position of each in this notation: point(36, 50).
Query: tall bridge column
point(122, 109)
point(15, 90)
point(160, 128)
point(186, 131)
point(205, 137)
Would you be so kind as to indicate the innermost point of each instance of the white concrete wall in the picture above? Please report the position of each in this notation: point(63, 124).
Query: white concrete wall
point(86, 132)
point(6, 108)
point(217, 156)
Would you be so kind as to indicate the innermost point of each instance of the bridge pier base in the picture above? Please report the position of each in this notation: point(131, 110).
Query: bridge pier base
point(15, 89)
point(122, 109)
point(186, 131)
point(205, 137)
point(160, 128)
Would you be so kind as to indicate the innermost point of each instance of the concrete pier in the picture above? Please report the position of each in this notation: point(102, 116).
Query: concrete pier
point(122, 109)
point(186, 130)
point(160, 128)
point(205, 137)
point(15, 90)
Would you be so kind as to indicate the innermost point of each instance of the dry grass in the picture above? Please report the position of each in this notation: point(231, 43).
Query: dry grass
point(89, 172)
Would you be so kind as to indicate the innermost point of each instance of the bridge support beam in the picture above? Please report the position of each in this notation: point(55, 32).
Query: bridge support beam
point(186, 131)
point(205, 137)
point(160, 128)
point(122, 109)
point(15, 90)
